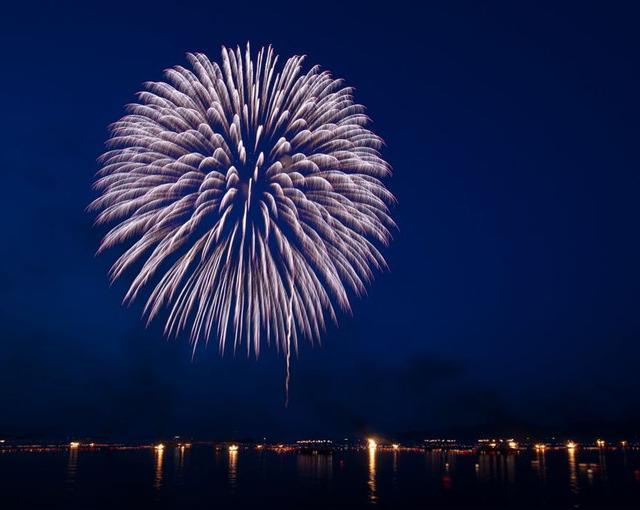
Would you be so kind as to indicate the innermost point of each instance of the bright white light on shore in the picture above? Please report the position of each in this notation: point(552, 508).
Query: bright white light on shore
point(571, 445)
point(395, 446)
point(372, 443)
point(159, 447)
point(540, 446)
point(233, 447)
point(74, 444)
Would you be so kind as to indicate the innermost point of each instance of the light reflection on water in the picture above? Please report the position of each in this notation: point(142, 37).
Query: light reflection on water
point(158, 468)
point(72, 466)
point(178, 460)
point(573, 474)
point(315, 467)
point(233, 469)
point(371, 483)
point(539, 465)
point(355, 478)
point(497, 467)
point(394, 478)
point(603, 464)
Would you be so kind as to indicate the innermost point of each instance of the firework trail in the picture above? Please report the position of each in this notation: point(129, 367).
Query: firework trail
point(249, 199)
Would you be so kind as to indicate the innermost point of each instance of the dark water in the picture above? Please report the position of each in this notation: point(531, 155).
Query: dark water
point(201, 477)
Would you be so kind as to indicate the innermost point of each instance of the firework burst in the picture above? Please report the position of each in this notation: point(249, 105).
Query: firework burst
point(249, 198)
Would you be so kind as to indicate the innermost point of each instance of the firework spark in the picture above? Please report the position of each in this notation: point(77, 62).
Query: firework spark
point(249, 197)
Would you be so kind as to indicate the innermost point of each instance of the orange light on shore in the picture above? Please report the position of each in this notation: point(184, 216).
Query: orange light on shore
point(512, 444)
point(600, 443)
point(74, 444)
point(233, 448)
point(540, 446)
point(159, 447)
point(372, 443)
point(571, 445)
point(395, 446)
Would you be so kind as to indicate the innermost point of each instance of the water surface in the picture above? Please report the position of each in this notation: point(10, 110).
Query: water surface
point(203, 477)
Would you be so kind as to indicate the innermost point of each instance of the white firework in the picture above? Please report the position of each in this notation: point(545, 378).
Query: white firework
point(249, 197)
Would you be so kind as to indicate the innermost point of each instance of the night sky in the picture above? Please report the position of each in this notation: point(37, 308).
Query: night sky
point(511, 303)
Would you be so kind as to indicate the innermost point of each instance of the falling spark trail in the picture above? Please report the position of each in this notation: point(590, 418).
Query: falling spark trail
point(223, 181)
point(288, 375)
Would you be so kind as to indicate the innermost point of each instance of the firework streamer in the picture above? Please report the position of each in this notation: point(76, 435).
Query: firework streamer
point(248, 199)
point(288, 358)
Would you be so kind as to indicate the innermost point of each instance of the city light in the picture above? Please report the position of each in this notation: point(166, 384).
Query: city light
point(159, 447)
point(512, 444)
point(395, 446)
point(233, 447)
point(571, 445)
point(540, 446)
point(600, 443)
point(74, 444)
point(372, 443)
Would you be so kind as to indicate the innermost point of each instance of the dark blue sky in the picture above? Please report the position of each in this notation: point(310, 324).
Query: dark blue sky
point(512, 297)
